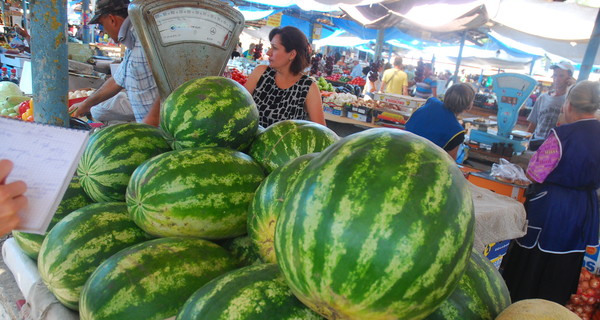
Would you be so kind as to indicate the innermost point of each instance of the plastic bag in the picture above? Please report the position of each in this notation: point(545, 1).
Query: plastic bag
point(509, 172)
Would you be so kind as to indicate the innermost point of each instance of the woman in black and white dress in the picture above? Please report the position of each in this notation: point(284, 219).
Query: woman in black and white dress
point(281, 90)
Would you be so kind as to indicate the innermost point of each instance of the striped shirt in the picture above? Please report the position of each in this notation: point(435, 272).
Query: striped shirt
point(424, 88)
point(135, 76)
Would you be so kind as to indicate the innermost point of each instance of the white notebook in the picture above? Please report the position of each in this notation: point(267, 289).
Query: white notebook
point(45, 157)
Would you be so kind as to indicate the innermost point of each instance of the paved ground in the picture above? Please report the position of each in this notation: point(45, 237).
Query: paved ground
point(9, 291)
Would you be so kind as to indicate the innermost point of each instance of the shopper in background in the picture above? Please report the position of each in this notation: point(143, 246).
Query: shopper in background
point(394, 79)
point(133, 74)
point(341, 62)
point(436, 120)
point(373, 79)
point(357, 70)
point(281, 91)
point(562, 205)
point(427, 87)
point(12, 199)
point(547, 107)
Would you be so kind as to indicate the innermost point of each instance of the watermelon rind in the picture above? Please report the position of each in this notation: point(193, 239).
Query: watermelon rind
point(73, 199)
point(80, 242)
point(111, 156)
point(242, 250)
point(252, 293)
point(268, 203)
point(198, 192)
point(209, 112)
point(481, 293)
point(286, 140)
point(379, 226)
point(152, 280)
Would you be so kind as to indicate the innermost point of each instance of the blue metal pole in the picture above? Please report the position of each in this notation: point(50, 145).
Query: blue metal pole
point(459, 59)
point(531, 67)
point(25, 8)
point(590, 51)
point(49, 61)
point(85, 16)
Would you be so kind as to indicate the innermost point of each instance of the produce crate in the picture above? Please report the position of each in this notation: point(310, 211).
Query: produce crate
point(401, 100)
point(360, 113)
point(390, 117)
point(334, 109)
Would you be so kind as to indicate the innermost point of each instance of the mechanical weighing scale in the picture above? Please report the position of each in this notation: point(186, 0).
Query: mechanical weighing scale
point(185, 40)
point(512, 90)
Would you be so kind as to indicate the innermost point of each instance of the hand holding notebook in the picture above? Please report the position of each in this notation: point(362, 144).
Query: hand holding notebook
point(45, 158)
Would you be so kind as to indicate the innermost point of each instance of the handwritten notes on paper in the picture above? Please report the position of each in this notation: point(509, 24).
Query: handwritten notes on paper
point(45, 158)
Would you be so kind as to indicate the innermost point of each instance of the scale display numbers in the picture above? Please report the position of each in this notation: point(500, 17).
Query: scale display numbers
point(194, 24)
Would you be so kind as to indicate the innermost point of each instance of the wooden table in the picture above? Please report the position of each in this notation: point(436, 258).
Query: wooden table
point(345, 120)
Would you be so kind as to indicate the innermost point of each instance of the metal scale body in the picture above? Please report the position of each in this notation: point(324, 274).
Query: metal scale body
point(185, 40)
point(512, 90)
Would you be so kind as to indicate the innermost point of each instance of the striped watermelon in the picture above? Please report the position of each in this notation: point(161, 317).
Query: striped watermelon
point(199, 192)
point(268, 202)
point(380, 226)
point(74, 198)
point(152, 280)
point(242, 250)
point(286, 140)
point(111, 156)
point(80, 242)
point(252, 293)
point(481, 293)
point(210, 112)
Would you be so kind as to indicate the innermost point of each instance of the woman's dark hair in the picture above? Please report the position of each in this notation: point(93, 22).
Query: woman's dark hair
point(293, 39)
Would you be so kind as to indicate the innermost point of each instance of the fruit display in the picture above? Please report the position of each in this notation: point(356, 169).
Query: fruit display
point(73, 199)
point(359, 81)
point(340, 99)
point(209, 112)
point(286, 140)
point(481, 293)
point(80, 242)
point(585, 301)
point(111, 156)
point(152, 280)
point(268, 203)
point(238, 76)
point(329, 65)
point(191, 192)
point(81, 93)
point(377, 226)
point(17, 107)
point(252, 293)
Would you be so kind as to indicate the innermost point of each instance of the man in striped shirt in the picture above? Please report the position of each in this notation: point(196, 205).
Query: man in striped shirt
point(133, 75)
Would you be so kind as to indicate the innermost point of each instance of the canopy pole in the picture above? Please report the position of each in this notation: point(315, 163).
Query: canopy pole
point(590, 51)
point(25, 6)
point(379, 44)
point(459, 59)
point(49, 68)
point(531, 66)
point(86, 34)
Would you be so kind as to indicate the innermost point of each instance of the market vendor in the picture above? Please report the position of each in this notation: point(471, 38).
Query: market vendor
point(134, 72)
point(12, 198)
point(562, 205)
point(281, 91)
point(436, 120)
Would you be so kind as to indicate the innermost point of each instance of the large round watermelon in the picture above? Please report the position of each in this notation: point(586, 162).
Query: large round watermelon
point(152, 280)
point(481, 293)
point(286, 140)
point(210, 112)
point(199, 192)
point(252, 293)
point(111, 156)
point(378, 226)
point(268, 203)
point(74, 198)
point(80, 242)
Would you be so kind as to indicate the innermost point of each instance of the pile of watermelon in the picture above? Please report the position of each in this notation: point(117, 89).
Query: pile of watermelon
point(210, 217)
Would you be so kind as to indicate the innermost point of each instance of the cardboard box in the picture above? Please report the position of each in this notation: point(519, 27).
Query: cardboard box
point(591, 260)
point(400, 100)
point(360, 113)
point(336, 111)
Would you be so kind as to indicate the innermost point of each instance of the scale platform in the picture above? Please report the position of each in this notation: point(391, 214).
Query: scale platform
point(482, 137)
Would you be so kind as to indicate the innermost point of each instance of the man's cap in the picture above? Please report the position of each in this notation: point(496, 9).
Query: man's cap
point(108, 6)
point(565, 65)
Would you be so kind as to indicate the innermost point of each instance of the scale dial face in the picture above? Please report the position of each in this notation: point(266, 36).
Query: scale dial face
point(187, 24)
